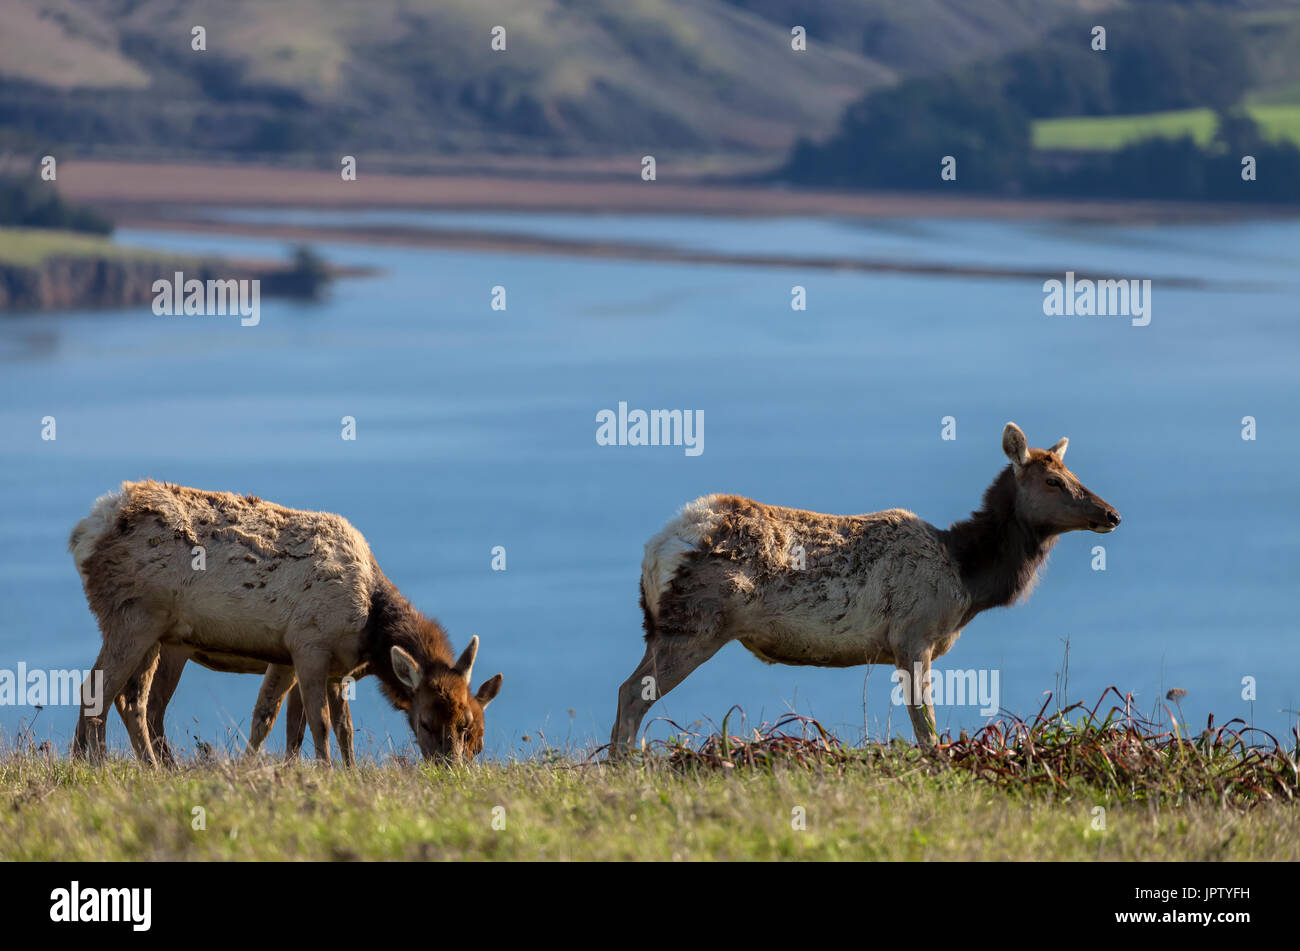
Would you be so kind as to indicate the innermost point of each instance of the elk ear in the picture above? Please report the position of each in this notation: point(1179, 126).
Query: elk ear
point(1059, 449)
point(465, 666)
point(488, 691)
point(407, 670)
point(1015, 445)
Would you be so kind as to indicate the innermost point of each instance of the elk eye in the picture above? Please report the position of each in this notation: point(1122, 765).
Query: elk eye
point(1054, 483)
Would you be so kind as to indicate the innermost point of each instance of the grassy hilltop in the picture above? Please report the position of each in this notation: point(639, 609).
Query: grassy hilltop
point(1067, 786)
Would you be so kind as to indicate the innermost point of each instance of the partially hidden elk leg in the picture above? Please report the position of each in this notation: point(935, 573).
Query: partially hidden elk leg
point(166, 676)
point(295, 725)
point(668, 660)
point(132, 703)
point(276, 683)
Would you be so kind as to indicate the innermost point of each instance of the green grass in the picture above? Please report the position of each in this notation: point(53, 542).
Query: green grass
point(62, 811)
point(28, 247)
point(1072, 785)
point(1106, 133)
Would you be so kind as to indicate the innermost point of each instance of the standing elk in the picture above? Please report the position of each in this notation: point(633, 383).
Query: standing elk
point(299, 592)
point(883, 588)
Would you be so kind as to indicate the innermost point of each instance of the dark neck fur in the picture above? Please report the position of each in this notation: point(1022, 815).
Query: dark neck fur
point(393, 622)
point(999, 554)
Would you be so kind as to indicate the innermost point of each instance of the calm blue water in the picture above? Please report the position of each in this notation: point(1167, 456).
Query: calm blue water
point(476, 428)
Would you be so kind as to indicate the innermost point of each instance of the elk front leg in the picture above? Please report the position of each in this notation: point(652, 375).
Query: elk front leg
point(915, 668)
point(928, 697)
point(313, 667)
point(341, 716)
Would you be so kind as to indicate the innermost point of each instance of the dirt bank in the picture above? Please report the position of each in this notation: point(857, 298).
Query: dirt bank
point(130, 191)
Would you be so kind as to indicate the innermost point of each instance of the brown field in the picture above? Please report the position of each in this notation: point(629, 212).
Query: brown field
point(134, 192)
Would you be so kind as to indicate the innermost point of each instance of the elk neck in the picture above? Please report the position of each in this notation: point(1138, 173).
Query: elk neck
point(394, 622)
point(997, 551)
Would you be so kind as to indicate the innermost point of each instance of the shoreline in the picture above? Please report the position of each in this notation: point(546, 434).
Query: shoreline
point(76, 271)
point(508, 243)
point(172, 197)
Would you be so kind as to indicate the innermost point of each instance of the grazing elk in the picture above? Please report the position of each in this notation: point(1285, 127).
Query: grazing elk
point(299, 592)
point(884, 588)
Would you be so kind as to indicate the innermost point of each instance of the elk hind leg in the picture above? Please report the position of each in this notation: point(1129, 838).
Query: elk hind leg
point(128, 640)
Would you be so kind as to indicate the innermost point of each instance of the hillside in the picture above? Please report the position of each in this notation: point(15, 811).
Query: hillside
point(1185, 101)
point(578, 77)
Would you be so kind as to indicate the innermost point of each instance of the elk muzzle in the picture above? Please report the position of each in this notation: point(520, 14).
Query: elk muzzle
point(1107, 518)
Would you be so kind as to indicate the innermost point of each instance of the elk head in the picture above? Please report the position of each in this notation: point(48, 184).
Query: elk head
point(1049, 497)
point(446, 718)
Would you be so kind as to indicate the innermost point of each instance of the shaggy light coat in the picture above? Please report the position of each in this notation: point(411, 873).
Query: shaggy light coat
point(294, 591)
point(805, 588)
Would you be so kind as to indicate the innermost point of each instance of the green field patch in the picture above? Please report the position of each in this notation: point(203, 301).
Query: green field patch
point(1108, 133)
point(28, 247)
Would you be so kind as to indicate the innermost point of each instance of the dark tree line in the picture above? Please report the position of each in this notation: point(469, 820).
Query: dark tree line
point(33, 204)
point(1158, 58)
